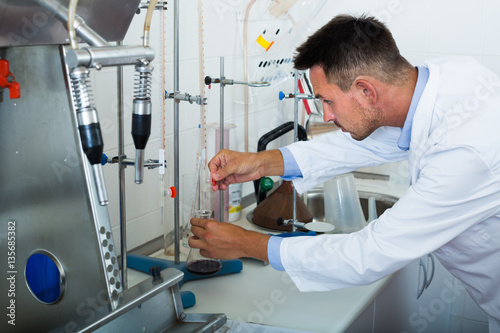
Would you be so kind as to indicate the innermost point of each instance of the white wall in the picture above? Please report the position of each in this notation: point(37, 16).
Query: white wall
point(424, 29)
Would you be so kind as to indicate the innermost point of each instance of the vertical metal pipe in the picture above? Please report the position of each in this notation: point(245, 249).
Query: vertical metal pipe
point(295, 138)
point(176, 135)
point(221, 193)
point(121, 177)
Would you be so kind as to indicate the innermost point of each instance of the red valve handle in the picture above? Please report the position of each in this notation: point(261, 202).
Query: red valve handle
point(7, 80)
point(173, 192)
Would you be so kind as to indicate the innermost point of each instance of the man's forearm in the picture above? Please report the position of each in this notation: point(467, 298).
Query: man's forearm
point(254, 245)
point(271, 163)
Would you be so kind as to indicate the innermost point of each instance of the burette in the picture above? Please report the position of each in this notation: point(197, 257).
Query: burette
point(162, 157)
point(202, 157)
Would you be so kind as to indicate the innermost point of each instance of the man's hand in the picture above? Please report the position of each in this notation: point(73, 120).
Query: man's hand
point(224, 240)
point(229, 167)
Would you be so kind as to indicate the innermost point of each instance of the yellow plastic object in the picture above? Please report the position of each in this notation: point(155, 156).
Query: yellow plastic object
point(264, 42)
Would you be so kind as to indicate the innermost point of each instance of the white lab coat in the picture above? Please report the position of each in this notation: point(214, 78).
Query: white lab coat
point(452, 207)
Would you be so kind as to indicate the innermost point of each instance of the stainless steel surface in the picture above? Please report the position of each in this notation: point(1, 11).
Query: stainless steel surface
point(150, 306)
point(314, 200)
point(54, 202)
point(26, 22)
point(60, 10)
point(109, 56)
point(176, 136)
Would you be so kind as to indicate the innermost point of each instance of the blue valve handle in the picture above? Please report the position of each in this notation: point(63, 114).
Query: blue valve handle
point(104, 159)
point(281, 95)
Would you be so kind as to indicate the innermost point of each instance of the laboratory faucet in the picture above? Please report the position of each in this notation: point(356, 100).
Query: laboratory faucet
point(141, 116)
point(89, 128)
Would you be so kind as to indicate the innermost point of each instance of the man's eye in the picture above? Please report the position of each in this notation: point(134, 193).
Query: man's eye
point(327, 102)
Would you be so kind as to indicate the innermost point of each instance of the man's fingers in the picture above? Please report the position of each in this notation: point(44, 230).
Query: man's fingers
point(198, 222)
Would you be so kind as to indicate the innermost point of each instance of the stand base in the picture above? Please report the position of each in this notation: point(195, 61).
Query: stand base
point(144, 263)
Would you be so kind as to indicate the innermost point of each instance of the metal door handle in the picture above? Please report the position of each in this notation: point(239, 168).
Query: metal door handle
point(421, 290)
point(432, 272)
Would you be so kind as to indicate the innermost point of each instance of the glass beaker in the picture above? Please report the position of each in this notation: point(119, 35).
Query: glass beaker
point(196, 263)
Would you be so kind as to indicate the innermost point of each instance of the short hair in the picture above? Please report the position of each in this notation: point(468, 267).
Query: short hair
point(348, 46)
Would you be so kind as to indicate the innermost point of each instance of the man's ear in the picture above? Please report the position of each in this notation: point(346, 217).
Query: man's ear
point(366, 90)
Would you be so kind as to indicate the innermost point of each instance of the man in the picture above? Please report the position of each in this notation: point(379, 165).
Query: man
point(442, 117)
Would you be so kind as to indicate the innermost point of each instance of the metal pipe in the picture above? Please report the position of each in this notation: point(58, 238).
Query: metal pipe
point(221, 130)
point(121, 177)
point(109, 56)
point(176, 135)
point(71, 24)
point(147, 22)
point(295, 139)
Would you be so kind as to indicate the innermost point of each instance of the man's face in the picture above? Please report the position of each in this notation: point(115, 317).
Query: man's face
point(348, 111)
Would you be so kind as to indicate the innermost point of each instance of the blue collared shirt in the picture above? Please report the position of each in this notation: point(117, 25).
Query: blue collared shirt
point(404, 139)
point(292, 169)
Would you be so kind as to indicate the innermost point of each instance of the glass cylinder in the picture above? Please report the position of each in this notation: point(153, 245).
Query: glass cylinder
point(196, 263)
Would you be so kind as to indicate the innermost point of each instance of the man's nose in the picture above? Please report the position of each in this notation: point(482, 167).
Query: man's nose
point(328, 116)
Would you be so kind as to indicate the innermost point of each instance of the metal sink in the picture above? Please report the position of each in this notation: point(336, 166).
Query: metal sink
point(314, 201)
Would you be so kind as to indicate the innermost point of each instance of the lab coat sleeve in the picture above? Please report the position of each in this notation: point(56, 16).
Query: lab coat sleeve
point(336, 153)
point(456, 190)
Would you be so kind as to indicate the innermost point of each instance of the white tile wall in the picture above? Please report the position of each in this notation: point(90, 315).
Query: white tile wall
point(423, 30)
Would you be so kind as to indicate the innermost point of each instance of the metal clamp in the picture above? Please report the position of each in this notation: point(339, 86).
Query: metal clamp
point(282, 95)
point(224, 81)
point(149, 163)
point(291, 222)
point(187, 97)
point(160, 5)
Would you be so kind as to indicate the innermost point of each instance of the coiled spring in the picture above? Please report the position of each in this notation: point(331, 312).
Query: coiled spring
point(143, 82)
point(81, 88)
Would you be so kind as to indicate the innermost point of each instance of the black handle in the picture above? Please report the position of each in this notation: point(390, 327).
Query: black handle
point(270, 136)
point(156, 272)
